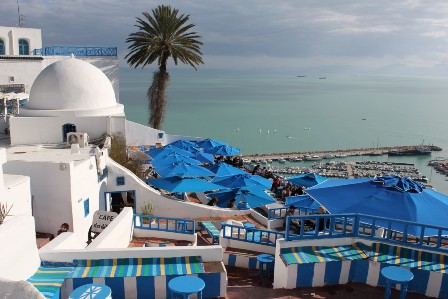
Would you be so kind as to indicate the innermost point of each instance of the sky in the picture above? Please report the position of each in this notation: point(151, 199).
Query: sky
point(291, 36)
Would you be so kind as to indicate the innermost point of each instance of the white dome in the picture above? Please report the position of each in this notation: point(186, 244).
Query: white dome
point(72, 85)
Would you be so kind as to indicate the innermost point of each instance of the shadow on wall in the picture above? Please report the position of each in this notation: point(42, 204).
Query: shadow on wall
point(109, 66)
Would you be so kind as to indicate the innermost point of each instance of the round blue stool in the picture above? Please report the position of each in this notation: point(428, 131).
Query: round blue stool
point(186, 285)
point(265, 259)
point(90, 291)
point(394, 274)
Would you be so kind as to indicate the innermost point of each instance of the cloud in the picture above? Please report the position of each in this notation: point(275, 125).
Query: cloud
point(260, 32)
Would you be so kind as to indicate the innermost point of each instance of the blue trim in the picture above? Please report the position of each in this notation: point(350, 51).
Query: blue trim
point(305, 275)
point(251, 235)
point(212, 284)
point(116, 284)
point(252, 263)
point(145, 287)
point(77, 51)
point(444, 287)
point(232, 260)
point(81, 281)
point(278, 212)
point(420, 282)
point(181, 226)
point(359, 270)
point(332, 273)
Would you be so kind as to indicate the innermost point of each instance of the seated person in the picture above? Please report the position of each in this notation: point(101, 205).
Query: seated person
point(213, 202)
point(322, 222)
point(232, 204)
point(294, 224)
point(64, 228)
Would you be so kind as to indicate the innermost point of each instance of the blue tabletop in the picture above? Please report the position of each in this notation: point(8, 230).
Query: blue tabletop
point(397, 274)
point(90, 291)
point(265, 258)
point(186, 284)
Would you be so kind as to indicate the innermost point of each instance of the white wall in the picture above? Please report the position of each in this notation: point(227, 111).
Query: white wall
point(18, 194)
point(64, 241)
point(137, 134)
point(19, 258)
point(11, 36)
point(37, 130)
point(2, 182)
point(146, 233)
point(117, 234)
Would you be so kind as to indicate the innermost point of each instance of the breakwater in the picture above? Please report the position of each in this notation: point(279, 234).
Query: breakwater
point(340, 152)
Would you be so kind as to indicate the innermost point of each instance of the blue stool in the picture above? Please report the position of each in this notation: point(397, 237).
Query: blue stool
point(185, 286)
point(394, 274)
point(265, 259)
point(90, 291)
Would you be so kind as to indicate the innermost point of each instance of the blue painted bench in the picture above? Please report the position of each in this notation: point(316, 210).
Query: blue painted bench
point(50, 277)
point(211, 229)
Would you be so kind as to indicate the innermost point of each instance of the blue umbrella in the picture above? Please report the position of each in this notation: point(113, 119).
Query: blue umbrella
point(183, 169)
point(243, 180)
point(178, 184)
point(389, 196)
point(209, 143)
point(255, 197)
point(167, 150)
point(223, 150)
point(306, 179)
point(223, 169)
point(184, 143)
point(302, 201)
point(204, 157)
point(173, 158)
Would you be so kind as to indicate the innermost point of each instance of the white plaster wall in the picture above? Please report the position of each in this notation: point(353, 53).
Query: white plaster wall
point(207, 253)
point(146, 233)
point(23, 71)
point(36, 130)
point(2, 182)
point(117, 234)
point(164, 206)
point(18, 194)
point(66, 240)
point(137, 134)
point(50, 190)
point(245, 245)
point(19, 258)
point(11, 36)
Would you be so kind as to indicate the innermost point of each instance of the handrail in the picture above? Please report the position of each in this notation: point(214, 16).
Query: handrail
point(167, 224)
point(369, 227)
point(277, 213)
point(76, 50)
point(251, 235)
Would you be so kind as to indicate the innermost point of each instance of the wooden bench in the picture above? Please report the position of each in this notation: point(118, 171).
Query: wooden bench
point(211, 229)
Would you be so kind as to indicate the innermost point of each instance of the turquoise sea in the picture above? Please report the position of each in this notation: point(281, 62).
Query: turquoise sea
point(339, 112)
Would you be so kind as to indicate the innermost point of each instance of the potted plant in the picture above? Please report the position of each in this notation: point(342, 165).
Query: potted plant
point(147, 209)
point(4, 211)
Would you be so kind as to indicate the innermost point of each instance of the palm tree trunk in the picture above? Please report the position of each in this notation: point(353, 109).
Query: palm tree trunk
point(157, 98)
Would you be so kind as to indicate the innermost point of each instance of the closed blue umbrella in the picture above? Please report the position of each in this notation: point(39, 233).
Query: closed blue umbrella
point(254, 196)
point(178, 184)
point(209, 143)
point(167, 150)
point(243, 180)
point(306, 179)
point(223, 169)
point(173, 158)
point(389, 196)
point(223, 150)
point(183, 169)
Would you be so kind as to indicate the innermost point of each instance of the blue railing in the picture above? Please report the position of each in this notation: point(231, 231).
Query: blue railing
point(279, 213)
point(75, 50)
point(251, 235)
point(175, 225)
point(373, 228)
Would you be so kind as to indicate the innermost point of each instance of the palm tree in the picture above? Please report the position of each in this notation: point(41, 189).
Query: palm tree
point(162, 35)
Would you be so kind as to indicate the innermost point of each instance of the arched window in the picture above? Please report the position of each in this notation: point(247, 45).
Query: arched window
point(2, 47)
point(24, 47)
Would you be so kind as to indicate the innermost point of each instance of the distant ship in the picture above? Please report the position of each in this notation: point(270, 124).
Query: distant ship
point(419, 151)
point(301, 76)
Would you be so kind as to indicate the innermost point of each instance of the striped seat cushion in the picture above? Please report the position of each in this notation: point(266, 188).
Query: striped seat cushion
point(319, 254)
point(138, 267)
point(405, 257)
point(48, 279)
point(211, 228)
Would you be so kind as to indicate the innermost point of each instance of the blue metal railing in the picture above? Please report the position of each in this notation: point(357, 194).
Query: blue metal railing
point(369, 227)
point(75, 50)
point(279, 213)
point(175, 225)
point(251, 235)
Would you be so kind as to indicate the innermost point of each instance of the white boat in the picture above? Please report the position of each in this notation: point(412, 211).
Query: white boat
point(247, 161)
point(312, 158)
point(341, 156)
point(328, 156)
point(296, 159)
point(281, 160)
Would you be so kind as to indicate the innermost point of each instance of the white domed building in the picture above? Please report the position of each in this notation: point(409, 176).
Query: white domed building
point(70, 91)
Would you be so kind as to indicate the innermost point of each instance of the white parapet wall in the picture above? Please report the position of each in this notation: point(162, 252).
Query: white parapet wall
point(18, 194)
point(146, 233)
point(19, 258)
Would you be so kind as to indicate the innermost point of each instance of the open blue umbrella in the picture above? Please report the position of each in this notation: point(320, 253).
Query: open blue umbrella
point(243, 180)
point(302, 201)
point(167, 150)
point(209, 143)
point(389, 196)
point(204, 157)
point(223, 150)
point(183, 169)
point(178, 184)
point(306, 179)
point(173, 158)
point(183, 143)
point(254, 196)
point(223, 169)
